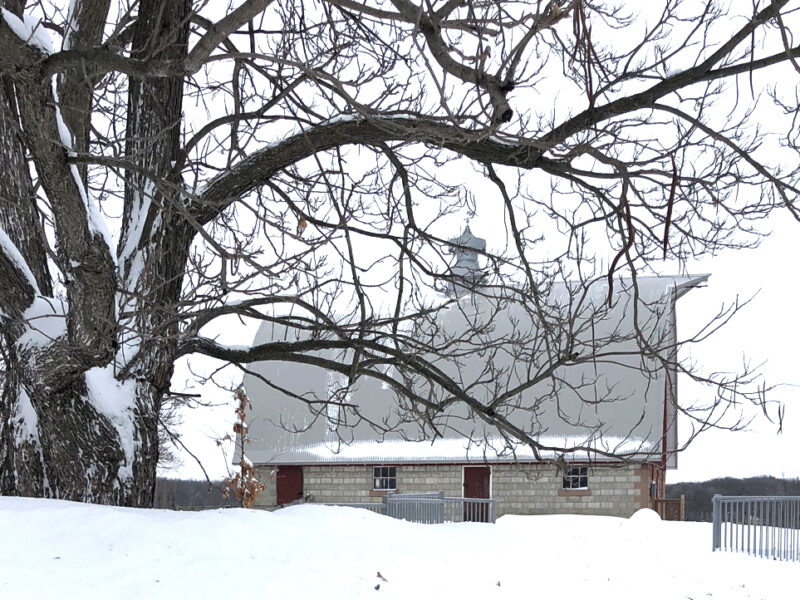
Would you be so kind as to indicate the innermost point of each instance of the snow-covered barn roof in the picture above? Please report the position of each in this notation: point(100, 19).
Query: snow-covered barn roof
point(621, 402)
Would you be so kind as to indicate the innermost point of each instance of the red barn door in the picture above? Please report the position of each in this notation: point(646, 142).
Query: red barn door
point(289, 483)
point(476, 485)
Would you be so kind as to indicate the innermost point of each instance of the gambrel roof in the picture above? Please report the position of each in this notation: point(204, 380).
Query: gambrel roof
point(622, 400)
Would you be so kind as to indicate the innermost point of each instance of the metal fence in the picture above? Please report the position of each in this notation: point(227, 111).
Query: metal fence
point(438, 508)
point(767, 526)
point(418, 508)
point(433, 507)
point(478, 510)
point(371, 506)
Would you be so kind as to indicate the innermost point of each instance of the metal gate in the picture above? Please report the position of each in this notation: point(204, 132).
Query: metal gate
point(767, 526)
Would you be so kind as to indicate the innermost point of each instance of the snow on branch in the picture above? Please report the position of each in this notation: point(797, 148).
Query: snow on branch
point(245, 354)
point(139, 210)
point(97, 223)
point(10, 250)
point(30, 30)
point(46, 321)
point(72, 24)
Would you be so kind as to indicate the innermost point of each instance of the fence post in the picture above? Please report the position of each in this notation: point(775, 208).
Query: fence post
point(716, 518)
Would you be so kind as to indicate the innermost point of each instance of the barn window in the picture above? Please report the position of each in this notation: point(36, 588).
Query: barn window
point(385, 478)
point(576, 478)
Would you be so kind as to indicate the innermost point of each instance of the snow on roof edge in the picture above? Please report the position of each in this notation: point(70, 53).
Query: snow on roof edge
point(454, 451)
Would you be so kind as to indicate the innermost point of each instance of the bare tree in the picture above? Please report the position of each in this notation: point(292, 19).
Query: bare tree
point(311, 156)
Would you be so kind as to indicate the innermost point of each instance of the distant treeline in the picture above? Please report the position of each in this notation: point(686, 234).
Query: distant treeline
point(698, 494)
point(189, 493)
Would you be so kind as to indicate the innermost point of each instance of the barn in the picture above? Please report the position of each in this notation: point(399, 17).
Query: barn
point(604, 418)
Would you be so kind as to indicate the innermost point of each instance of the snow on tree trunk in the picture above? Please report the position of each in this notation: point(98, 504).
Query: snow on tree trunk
point(92, 438)
point(85, 375)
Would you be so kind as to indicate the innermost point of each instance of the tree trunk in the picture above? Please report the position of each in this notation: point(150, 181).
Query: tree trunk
point(77, 443)
point(79, 413)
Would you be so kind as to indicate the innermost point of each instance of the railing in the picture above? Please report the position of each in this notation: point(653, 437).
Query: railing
point(372, 506)
point(432, 507)
point(437, 508)
point(767, 526)
point(478, 510)
point(418, 508)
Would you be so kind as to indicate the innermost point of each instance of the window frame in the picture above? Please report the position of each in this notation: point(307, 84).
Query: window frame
point(573, 478)
point(378, 478)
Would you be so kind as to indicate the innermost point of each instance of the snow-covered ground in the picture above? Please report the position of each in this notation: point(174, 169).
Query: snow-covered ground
point(59, 550)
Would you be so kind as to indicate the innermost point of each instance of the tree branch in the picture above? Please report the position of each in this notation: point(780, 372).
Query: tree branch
point(220, 31)
point(84, 251)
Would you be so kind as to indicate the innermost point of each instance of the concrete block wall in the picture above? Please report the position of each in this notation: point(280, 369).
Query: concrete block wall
point(338, 483)
point(537, 489)
point(518, 489)
point(353, 483)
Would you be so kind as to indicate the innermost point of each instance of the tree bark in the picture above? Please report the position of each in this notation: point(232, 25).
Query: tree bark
point(76, 85)
point(61, 435)
point(153, 255)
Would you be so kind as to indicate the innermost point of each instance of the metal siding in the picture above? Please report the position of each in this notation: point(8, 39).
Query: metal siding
point(283, 429)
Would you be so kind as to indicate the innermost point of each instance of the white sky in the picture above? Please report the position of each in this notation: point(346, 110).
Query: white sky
point(766, 331)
